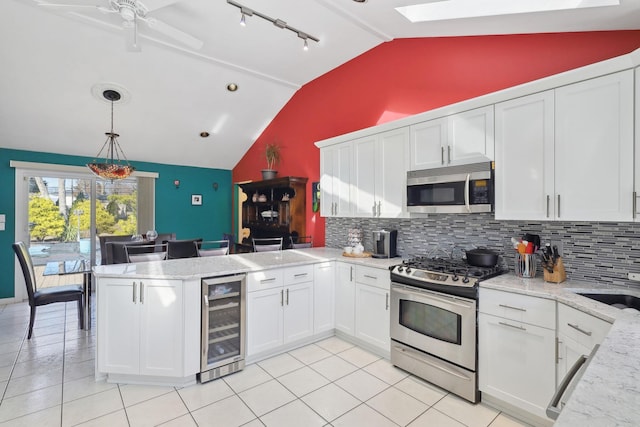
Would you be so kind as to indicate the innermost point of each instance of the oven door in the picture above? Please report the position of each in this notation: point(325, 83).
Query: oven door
point(438, 324)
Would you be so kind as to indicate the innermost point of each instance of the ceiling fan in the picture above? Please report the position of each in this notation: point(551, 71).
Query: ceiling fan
point(132, 11)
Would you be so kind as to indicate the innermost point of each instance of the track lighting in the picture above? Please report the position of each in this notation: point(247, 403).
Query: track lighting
point(245, 11)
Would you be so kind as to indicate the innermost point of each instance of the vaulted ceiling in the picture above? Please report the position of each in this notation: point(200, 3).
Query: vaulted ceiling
point(57, 61)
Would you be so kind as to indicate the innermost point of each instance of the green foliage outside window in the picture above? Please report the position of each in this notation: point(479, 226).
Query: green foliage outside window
point(45, 218)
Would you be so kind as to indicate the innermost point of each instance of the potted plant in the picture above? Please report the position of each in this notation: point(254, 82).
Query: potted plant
point(272, 153)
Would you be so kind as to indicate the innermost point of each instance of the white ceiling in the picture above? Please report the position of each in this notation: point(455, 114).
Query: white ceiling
point(52, 57)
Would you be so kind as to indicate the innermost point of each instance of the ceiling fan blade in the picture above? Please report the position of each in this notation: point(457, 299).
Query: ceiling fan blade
point(174, 33)
point(131, 37)
point(152, 5)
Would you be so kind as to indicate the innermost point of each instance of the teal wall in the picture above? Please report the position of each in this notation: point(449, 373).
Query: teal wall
point(174, 212)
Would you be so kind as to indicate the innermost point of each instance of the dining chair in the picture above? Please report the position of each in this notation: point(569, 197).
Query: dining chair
point(267, 244)
point(106, 250)
point(301, 242)
point(212, 247)
point(182, 248)
point(145, 253)
point(38, 297)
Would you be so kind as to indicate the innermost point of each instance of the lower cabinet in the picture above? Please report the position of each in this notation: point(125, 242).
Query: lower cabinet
point(516, 349)
point(372, 289)
point(323, 297)
point(140, 327)
point(281, 313)
point(345, 298)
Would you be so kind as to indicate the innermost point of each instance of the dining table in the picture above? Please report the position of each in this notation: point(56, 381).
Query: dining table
point(75, 266)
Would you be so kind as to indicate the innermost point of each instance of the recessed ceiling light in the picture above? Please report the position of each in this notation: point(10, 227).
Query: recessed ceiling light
point(232, 87)
point(204, 134)
point(457, 9)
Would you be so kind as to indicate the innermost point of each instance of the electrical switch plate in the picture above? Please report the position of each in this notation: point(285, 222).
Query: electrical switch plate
point(1, 226)
point(3, 218)
point(634, 276)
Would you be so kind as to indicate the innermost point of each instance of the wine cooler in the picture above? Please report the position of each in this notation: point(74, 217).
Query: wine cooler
point(223, 326)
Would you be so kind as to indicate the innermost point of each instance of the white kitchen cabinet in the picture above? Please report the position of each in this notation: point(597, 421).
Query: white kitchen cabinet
point(577, 334)
point(555, 150)
point(379, 174)
point(524, 141)
point(345, 298)
point(140, 326)
point(323, 297)
point(637, 148)
point(279, 307)
point(466, 137)
point(372, 308)
point(516, 358)
point(335, 180)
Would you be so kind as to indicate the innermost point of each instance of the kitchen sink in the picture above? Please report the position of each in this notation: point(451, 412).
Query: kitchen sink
point(616, 300)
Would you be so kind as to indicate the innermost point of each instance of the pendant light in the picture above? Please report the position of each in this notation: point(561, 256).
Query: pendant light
point(113, 167)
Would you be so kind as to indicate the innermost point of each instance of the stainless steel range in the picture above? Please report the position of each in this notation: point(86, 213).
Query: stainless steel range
point(434, 321)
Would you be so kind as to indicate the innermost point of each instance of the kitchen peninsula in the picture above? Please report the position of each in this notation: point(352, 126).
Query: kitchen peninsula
point(164, 347)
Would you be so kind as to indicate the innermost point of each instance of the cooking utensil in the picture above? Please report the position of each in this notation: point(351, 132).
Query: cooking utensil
point(482, 257)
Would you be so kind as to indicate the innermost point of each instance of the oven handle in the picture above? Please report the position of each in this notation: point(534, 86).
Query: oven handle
point(438, 297)
point(409, 353)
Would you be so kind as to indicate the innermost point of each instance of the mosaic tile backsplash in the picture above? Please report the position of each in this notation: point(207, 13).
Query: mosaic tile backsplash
point(603, 252)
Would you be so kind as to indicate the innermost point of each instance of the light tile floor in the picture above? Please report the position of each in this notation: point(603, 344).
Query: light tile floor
point(49, 381)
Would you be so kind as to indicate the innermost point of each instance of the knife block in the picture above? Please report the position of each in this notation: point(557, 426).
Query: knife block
point(559, 275)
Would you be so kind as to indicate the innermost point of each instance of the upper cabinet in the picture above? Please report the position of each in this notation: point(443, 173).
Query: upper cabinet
point(567, 154)
point(461, 138)
point(365, 177)
point(636, 193)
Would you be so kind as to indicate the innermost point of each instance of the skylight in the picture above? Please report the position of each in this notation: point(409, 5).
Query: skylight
point(456, 9)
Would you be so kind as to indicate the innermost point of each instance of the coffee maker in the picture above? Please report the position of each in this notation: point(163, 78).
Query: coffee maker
point(384, 243)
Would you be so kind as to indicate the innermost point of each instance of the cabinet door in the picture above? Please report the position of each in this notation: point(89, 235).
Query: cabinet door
point(428, 143)
point(524, 157)
point(569, 351)
point(161, 334)
point(363, 176)
point(594, 149)
point(327, 162)
point(516, 362)
point(391, 173)
point(372, 315)
point(345, 298)
point(637, 138)
point(264, 320)
point(471, 136)
point(118, 326)
point(298, 312)
point(323, 300)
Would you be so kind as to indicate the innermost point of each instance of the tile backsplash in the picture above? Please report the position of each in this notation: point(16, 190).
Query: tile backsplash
point(603, 252)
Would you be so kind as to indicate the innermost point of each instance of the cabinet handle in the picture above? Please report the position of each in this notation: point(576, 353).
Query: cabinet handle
point(141, 293)
point(579, 329)
point(135, 287)
point(448, 154)
point(442, 155)
point(548, 200)
point(270, 279)
point(379, 203)
point(374, 209)
point(512, 326)
point(634, 204)
point(558, 358)
point(281, 297)
point(387, 302)
point(511, 307)
point(371, 277)
point(300, 275)
point(287, 296)
point(351, 274)
point(558, 206)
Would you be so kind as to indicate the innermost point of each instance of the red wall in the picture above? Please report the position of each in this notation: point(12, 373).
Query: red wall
point(409, 76)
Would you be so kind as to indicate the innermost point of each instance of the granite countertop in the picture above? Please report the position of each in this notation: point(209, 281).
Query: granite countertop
point(197, 268)
point(608, 394)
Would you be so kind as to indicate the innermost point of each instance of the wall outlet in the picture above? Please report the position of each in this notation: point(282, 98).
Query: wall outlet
point(634, 276)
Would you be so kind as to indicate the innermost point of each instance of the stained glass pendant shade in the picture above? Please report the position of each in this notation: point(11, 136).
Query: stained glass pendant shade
point(115, 164)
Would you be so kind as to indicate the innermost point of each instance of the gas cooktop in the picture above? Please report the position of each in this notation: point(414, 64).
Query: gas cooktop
point(447, 275)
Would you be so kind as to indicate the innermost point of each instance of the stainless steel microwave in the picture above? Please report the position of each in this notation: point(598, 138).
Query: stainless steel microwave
point(452, 189)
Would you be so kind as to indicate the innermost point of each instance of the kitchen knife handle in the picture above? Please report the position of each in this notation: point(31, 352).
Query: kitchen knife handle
point(548, 201)
point(558, 206)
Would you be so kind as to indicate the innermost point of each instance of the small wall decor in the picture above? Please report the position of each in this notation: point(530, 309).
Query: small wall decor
point(315, 196)
point(176, 182)
point(196, 199)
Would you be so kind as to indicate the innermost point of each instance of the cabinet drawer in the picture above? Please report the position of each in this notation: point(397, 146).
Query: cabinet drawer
point(300, 274)
point(518, 307)
point(265, 279)
point(373, 276)
point(583, 328)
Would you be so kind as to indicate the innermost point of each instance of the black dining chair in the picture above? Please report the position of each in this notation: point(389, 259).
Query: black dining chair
point(301, 242)
point(267, 244)
point(213, 247)
point(182, 248)
point(146, 253)
point(38, 297)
